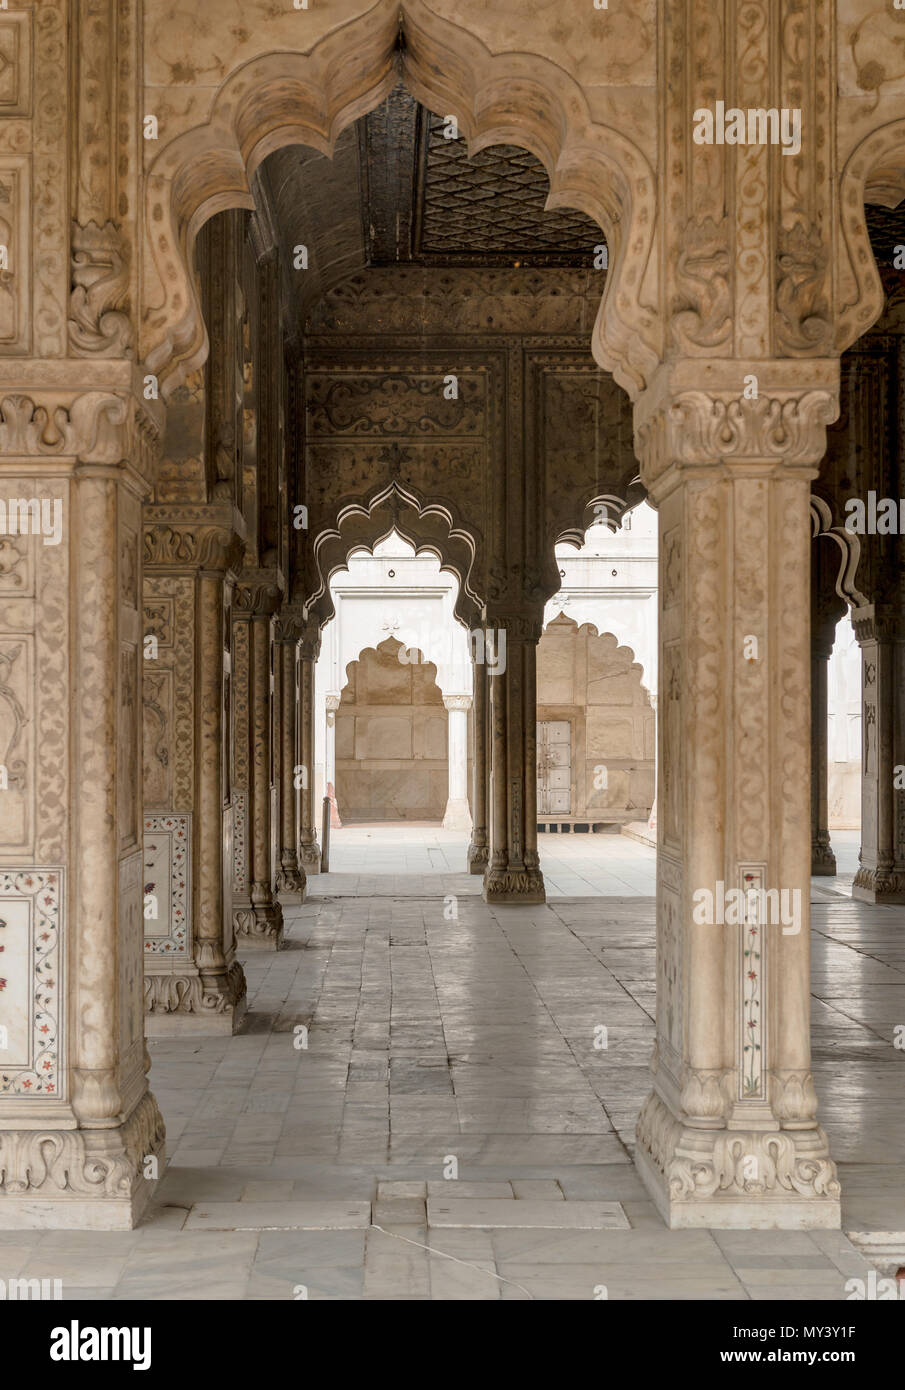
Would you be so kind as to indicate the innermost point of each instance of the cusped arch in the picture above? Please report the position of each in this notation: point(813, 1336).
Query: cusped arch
point(873, 173)
point(823, 524)
point(393, 647)
point(606, 508)
point(428, 527)
point(309, 97)
point(561, 620)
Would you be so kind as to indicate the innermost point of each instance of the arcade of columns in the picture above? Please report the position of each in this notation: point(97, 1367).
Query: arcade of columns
point(215, 465)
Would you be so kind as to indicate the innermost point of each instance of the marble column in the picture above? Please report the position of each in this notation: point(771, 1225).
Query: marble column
point(309, 849)
point(193, 983)
point(290, 875)
point(652, 818)
point(477, 849)
point(513, 872)
point(81, 1136)
point(332, 703)
point(881, 637)
point(729, 1136)
point(457, 815)
point(823, 860)
point(257, 915)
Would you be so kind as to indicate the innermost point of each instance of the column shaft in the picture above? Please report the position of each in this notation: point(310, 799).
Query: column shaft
point(513, 873)
point(81, 1136)
point(257, 914)
point(477, 849)
point(193, 983)
point(823, 860)
point(332, 705)
point(881, 875)
point(290, 877)
point(458, 815)
point(729, 1136)
point(309, 849)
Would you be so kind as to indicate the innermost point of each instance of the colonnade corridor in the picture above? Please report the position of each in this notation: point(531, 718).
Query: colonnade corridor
point(452, 668)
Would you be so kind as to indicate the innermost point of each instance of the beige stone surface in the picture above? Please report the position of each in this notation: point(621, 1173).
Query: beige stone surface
point(587, 679)
point(391, 765)
point(130, 144)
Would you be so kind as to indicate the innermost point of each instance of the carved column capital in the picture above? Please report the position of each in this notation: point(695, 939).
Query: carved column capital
point(196, 537)
point(878, 623)
point(93, 426)
point(290, 626)
point(310, 641)
point(521, 626)
point(457, 702)
point(734, 414)
point(258, 593)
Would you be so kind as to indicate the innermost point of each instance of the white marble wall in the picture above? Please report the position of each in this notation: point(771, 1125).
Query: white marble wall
point(392, 593)
point(844, 738)
point(415, 605)
point(623, 603)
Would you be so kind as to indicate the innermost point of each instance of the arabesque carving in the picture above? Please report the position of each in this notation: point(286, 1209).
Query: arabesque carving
point(99, 320)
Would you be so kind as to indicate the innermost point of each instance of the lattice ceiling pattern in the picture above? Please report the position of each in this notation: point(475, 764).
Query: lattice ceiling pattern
point(493, 203)
point(424, 201)
point(886, 228)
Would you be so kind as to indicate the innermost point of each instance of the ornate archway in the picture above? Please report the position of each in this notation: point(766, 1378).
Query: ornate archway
point(430, 526)
point(308, 97)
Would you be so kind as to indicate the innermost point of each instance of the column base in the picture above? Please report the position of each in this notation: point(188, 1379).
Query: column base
point(290, 880)
point(457, 815)
point(524, 887)
point(80, 1179)
point(478, 856)
point(185, 1005)
point(823, 861)
point(259, 928)
point(879, 886)
point(736, 1179)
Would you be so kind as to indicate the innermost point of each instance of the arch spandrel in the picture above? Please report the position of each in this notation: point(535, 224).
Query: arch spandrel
point(873, 173)
point(307, 97)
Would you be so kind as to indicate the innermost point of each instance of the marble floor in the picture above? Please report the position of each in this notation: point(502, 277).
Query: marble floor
point(382, 860)
point(445, 1036)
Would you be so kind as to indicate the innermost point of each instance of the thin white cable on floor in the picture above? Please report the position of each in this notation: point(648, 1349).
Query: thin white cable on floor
point(442, 1253)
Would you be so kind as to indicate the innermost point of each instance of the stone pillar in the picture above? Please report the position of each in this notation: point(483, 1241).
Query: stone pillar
point(81, 1137)
point(290, 876)
point(332, 703)
point(513, 873)
point(652, 818)
point(457, 815)
point(193, 982)
point(823, 860)
point(257, 916)
point(477, 849)
point(309, 648)
point(881, 875)
point(729, 1136)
